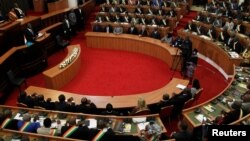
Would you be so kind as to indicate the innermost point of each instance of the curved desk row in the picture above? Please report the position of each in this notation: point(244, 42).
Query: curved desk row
point(117, 101)
point(214, 54)
point(213, 107)
point(55, 77)
point(112, 121)
point(133, 43)
point(162, 30)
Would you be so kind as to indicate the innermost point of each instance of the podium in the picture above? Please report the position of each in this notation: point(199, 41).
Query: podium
point(39, 5)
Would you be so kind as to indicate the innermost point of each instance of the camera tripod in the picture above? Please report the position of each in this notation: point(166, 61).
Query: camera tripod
point(177, 58)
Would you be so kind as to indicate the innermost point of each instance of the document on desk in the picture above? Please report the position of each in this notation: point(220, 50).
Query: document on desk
point(138, 120)
point(143, 125)
point(209, 107)
point(180, 86)
point(127, 128)
point(200, 117)
point(18, 116)
point(234, 54)
point(92, 123)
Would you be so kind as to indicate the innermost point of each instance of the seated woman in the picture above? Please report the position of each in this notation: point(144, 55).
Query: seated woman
point(141, 105)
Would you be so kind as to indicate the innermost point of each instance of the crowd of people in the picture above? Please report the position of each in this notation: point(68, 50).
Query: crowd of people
point(157, 14)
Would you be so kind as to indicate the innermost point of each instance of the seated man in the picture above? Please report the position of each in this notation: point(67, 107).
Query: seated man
point(163, 22)
point(97, 27)
point(217, 22)
point(177, 42)
point(30, 34)
point(67, 27)
point(199, 17)
point(108, 29)
point(171, 13)
point(199, 29)
point(126, 18)
point(71, 130)
point(109, 110)
point(211, 33)
point(155, 34)
point(132, 30)
point(61, 105)
point(190, 26)
point(236, 46)
point(143, 32)
point(223, 36)
point(46, 130)
point(183, 134)
point(26, 125)
point(18, 11)
point(118, 29)
point(233, 115)
point(167, 38)
point(229, 25)
point(239, 28)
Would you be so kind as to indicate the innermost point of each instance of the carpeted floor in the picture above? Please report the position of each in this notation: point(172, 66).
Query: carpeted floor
point(106, 72)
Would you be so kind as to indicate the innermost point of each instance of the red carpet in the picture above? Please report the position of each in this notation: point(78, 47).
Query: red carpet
point(106, 72)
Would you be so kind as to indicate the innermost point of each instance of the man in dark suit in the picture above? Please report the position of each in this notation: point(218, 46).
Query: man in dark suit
point(71, 130)
point(80, 18)
point(72, 21)
point(109, 110)
point(199, 29)
point(61, 105)
point(190, 26)
point(12, 124)
point(230, 40)
point(108, 29)
point(125, 18)
point(183, 134)
point(239, 27)
point(223, 36)
point(19, 12)
point(155, 34)
point(186, 52)
point(177, 42)
point(132, 30)
point(236, 46)
point(199, 17)
point(103, 9)
point(66, 27)
point(26, 125)
point(143, 21)
point(171, 13)
point(138, 10)
point(30, 34)
point(143, 32)
point(211, 33)
point(233, 115)
point(163, 22)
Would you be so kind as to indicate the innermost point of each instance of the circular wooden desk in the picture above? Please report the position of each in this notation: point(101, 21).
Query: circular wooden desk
point(144, 45)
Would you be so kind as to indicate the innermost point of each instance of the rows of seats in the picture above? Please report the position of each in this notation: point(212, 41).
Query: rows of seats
point(53, 125)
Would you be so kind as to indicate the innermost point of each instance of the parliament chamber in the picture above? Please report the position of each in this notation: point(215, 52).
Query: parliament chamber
point(213, 39)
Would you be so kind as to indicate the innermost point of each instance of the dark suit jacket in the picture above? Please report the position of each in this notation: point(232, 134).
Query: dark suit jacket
point(182, 136)
point(81, 132)
point(226, 36)
point(238, 47)
point(62, 106)
point(19, 14)
point(79, 16)
point(134, 31)
point(12, 125)
point(143, 33)
point(155, 35)
point(242, 29)
point(190, 27)
point(231, 117)
point(30, 35)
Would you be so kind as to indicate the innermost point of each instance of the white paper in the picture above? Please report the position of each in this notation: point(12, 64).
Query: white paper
point(200, 117)
point(138, 120)
point(92, 123)
point(18, 116)
point(142, 126)
point(180, 86)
